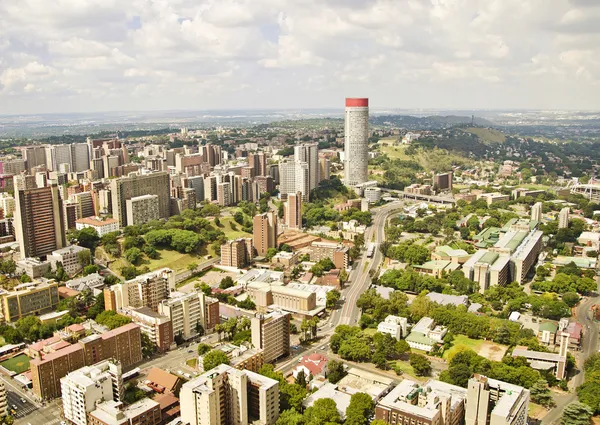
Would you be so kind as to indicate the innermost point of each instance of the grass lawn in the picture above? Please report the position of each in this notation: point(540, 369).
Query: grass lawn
point(487, 349)
point(230, 233)
point(168, 258)
point(370, 331)
point(393, 152)
point(18, 364)
point(193, 363)
point(536, 411)
point(487, 134)
point(404, 367)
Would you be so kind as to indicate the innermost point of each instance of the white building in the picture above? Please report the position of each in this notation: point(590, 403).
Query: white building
point(7, 203)
point(3, 401)
point(249, 397)
point(395, 326)
point(563, 218)
point(536, 211)
point(590, 239)
point(83, 388)
point(494, 402)
point(142, 209)
point(294, 177)
point(102, 226)
point(186, 312)
point(425, 335)
point(373, 194)
point(309, 153)
point(69, 258)
point(356, 141)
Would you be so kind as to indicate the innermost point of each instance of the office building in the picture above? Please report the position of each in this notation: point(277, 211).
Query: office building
point(26, 299)
point(523, 247)
point(372, 194)
point(122, 344)
point(7, 204)
point(443, 181)
point(265, 232)
point(69, 257)
point(34, 156)
point(143, 412)
point(300, 303)
point(33, 267)
point(102, 225)
point(536, 211)
point(57, 155)
point(395, 326)
point(11, 166)
point(294, 177)
point(494, 402)
point(258, 163)
point(356, 141)
point(197, 184)
point(80, 157)
point(555, 363)
point(146, 290)
point(292, 211)
point(228, 396)
point(435, 403)
point(85, 204)
point(39, 221)
point(142, 209)
point(237, 253)
point(487, 269)
point(83, 388)
point(271, 333)
point(563, 218)
point(190, 313)
point(309, 154)
point(156, 326)
point(135, 185)
point(24, 181)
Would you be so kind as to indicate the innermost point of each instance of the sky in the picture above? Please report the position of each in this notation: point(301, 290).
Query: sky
point(120, 55)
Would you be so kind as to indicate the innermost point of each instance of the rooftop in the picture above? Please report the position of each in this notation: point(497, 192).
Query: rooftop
point(97, 221)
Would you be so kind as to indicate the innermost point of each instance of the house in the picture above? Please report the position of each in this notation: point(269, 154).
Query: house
point(425, 335)
point(312, 365)
point(162, 381)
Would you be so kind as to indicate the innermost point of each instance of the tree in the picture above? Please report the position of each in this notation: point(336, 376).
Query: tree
point(226, 282)
point(148, 346)
point(247, 304)
point(540, 394)
point(335, 371)
point(192, 267)
point(88, 237)
point(290, 417)
point(332, 298)
point(360, 409)
point(570, 298)
point(301, 379)
point(420, 364)
point(271, 252)
point(460, 374)
point(112, 320)
point(203, 349)
point(323, 411)
point(84, 257)
point(576, 414)
point(213, 359)
point(97, 307)
point(129, 272)
point(90, 269)
point(134, 255)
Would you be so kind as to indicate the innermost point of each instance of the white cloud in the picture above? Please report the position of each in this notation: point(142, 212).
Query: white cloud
point(159, 54)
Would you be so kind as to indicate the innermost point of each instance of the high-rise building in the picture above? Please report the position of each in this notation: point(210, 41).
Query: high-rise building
point(125, 188)
point(197, 183)
point(237, 253)
point(309, 153)
point(292, 211)
point(443, 181)
point(228, 396)
point(39, 221)
point(24, 181)
point(265, 232)
point(324, 169)
point(3, 401)
point(536, 211)
point(210, 188)
point(156, 326)
point(34, 156)
point(142, 209)
point(80, 157)
point(494, 402)
point(85, 204)
point(57, 155)
point(563, 218)
point(7, 204)
point(271, 333)
point(83, 388)
point(190, 313)
point(258, 163)
point(146, 290)
point(294, 177)
point(224, 196)
point(356, 141)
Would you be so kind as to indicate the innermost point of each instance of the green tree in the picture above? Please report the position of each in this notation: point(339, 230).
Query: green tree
point(332, 298)
point(213, 359)
point(271, 252)
point(192, 267)
point(90, 269)
point(84, 257)
point(576, 414)
point(540, 394)
point(570, 298)
point(134, 255)
point(88, 237)
point(112, 320)
point(148, 346)
point(226, 282)
point(247, 304)
point(360, 409)
point(420, 364)
point(301, 379)
point(335, 371)
point(97, 307)
point(203, 349)
point(323, 411)
point(290, 417)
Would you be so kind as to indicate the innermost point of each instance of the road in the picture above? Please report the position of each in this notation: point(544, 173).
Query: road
point(590, 346)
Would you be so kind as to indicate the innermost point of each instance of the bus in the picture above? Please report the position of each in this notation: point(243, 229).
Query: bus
point(370, 250)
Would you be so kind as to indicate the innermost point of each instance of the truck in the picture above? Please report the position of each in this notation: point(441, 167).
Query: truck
point(370, 250)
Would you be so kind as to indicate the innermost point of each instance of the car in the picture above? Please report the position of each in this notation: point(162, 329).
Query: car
point(63, 423)
point(14, 406)
point(23, 400)
point(190, 351)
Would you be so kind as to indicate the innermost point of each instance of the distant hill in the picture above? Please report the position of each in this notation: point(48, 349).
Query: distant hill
point(487, 135)
point(433, 122)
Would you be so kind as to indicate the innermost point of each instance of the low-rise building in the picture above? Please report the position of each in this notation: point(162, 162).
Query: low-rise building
point(313, 365)
point(448, 299)
point(69, 257)
point(437, 268)
point(447, 253)
point(157, 327)
point(102, 226)
point(29, 298)
point(142, 412)
point(494, 198)
point(425, 335)
point(91, 282)
point(337, 253)
point(555, 363)
point(33, 267)
point(395, 326)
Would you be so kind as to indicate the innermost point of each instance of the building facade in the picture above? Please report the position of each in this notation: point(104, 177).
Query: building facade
point(271, 333)
point(237, 253)
point(135, 185)
point(356, 141)
point(265, 232)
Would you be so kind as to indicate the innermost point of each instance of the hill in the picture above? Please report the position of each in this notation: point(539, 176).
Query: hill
point(487, 135)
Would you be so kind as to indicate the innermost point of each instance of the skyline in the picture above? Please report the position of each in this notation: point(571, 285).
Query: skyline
point(99, 56)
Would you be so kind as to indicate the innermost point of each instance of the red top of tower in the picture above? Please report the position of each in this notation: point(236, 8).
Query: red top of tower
point(357, 101)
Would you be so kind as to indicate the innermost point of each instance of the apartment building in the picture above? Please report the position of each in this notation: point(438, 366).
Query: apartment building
point(536, 211)
point(85, 204)
point(265, 232)
point(3, 400)
point(435, 403)
point(102, 226)
point(83, 388)
point(324, 169)
point(228, 396)
point(237, 253)
point(224, 194)
point(271, 333)
point(39, 221)
point(26, 299)
point(292, 211)
point(495, 402)
point(190, 313)
point(395, 326)
point(487, 269)
point(69, 257)
point(136, 185)
point(146, 290)
point(156, 326)
point(142, 412)
point(142, 209)
point(122, 344)
point(338, 253)
point(563, 218)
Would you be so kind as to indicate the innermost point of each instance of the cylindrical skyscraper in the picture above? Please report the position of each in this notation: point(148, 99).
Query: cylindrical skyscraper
point(356, 141)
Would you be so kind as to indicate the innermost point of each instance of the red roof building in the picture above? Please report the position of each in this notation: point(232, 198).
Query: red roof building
point(314, 364)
